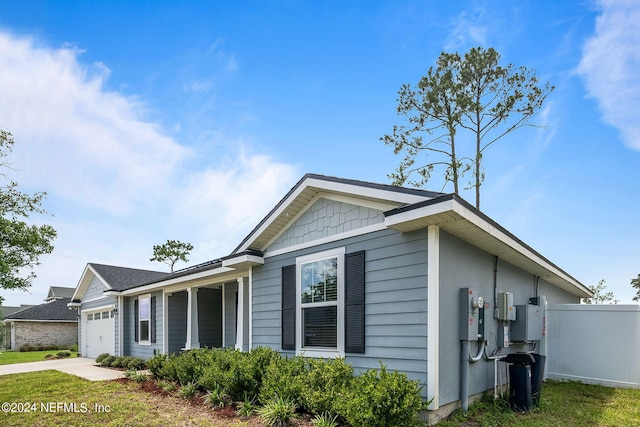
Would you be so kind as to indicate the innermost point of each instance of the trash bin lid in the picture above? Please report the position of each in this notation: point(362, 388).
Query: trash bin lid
point(519, 359)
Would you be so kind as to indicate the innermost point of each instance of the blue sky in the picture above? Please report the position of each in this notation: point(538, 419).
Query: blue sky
point(147, 121)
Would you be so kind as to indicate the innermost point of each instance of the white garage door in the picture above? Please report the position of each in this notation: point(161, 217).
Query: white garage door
point(99, 333)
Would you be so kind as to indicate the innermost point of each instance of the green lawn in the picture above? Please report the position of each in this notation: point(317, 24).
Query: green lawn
point(51, 398)
point(11, 357)
point(562, 404)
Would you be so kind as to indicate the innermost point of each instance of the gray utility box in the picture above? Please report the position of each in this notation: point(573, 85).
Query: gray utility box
point(529, 325)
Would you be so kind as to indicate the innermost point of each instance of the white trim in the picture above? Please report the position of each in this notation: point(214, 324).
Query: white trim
point(433, 315)
point(101, 308)
point(338, 253)
point(95, 299)
point(328, 239)
point(119, 319)
point(243, 259)
point(488, 228)
point(223, 290)
point(146, 342)
point(165, 315)
point(41, 321)
point(250, 308)
point(179, 280)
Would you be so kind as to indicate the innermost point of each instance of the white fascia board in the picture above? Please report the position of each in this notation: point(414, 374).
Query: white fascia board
point(74, 304)
point(112, 293)
point(243, 260)
point(363, 191)
point(41, 320)
point(453, 205)
point(159, 285)
point(101, 308)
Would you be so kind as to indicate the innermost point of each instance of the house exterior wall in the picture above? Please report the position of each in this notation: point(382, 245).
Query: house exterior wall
point(94, 298)
point(327, 218)
point(210, 317)
point(395, 296)
point(230, 313)
point(177, 325)
point(44, 333)
point(463, 265)
point(131, 347)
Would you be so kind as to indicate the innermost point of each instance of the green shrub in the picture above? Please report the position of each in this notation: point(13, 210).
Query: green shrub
point(136, 376)
point(188, 390)
point(322, 383)
point(136, 363)
point(63, 354)
point(156, 363)
point(218, 398)
point(107, 361)
point(278, 412)
point(48, 347)
point(380, 398)
point(281, 380)
point(246, 408)
point(167, 386)
point(101, 357)
point(325, 420)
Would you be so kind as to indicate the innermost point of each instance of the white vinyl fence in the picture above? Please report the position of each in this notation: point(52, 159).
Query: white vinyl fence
point(594, 344)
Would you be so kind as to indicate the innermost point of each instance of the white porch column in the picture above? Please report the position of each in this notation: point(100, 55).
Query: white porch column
point(242, 323)
point(193, 338)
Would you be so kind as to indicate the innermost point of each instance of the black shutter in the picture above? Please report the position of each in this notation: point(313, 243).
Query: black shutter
point(289, 307)
point(135, 320)
point(354, 303)
point(152, 323)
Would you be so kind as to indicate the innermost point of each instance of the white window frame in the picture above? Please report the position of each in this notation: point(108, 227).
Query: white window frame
point(141, 298)
point(325, 352)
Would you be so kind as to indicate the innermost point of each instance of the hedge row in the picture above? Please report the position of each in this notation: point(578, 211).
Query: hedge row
point(316, 386)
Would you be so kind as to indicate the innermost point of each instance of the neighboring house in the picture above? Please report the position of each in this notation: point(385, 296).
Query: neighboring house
point(7, 310)
point(338, 268)
point(58, 292)
point(51, 323)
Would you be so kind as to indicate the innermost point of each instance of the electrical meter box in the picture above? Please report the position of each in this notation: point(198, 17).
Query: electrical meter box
point(505, 309)
point(529, 325)
point(471, 314)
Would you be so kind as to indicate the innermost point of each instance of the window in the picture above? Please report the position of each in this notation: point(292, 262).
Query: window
point(320, 306)
point(90, 316)
point(144, 318)
point(105, 314)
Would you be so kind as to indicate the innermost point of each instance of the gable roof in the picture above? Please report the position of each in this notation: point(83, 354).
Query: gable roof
point(385, 196)
point(7, 310)
point(122, 278)
point(59, 292)
point(52, 311)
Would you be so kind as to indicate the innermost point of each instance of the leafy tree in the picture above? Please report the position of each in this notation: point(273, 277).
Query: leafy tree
point(636, 284)
point(21, 244)
point(599, 295)
point(171, 252)
point(474, 93)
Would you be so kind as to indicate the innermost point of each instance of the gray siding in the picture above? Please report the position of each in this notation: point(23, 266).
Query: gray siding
point(464, 265)
point(396, 307)
point(95, 292)
point(327, 218)
point(132, 348)
point(177, 327)
point(230, 313)
point(210, 317)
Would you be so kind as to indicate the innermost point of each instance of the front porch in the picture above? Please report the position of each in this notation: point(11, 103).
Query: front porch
point(211, 315)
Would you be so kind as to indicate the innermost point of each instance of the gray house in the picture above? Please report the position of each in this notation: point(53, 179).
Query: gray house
point(340, 268)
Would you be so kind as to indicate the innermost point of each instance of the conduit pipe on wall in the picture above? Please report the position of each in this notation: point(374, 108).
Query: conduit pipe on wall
point(465, 360)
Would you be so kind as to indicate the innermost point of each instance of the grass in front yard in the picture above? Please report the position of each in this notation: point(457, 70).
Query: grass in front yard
point(63, 399)
point(11, 357)
point(562, 404)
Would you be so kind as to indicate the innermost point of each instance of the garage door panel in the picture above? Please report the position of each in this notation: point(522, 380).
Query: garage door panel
point(99, 329)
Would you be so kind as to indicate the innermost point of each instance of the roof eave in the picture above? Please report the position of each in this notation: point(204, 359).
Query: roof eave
point(454, 215)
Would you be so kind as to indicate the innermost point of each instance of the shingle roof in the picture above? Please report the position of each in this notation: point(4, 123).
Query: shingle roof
point(56, 310)
point(123, 278)
point(7, 311)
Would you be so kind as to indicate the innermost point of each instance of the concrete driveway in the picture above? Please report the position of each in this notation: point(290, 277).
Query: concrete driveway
point(79, 366)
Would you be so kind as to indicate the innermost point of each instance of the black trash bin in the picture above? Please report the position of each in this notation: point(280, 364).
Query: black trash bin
point(520, 397)
point(537, 375)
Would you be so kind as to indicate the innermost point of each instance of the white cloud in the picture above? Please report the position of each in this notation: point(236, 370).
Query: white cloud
point(469, 28)
point(117, 182)
point(610, 67)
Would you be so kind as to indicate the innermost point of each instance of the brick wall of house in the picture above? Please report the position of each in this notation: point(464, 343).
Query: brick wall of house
point(45, 333)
